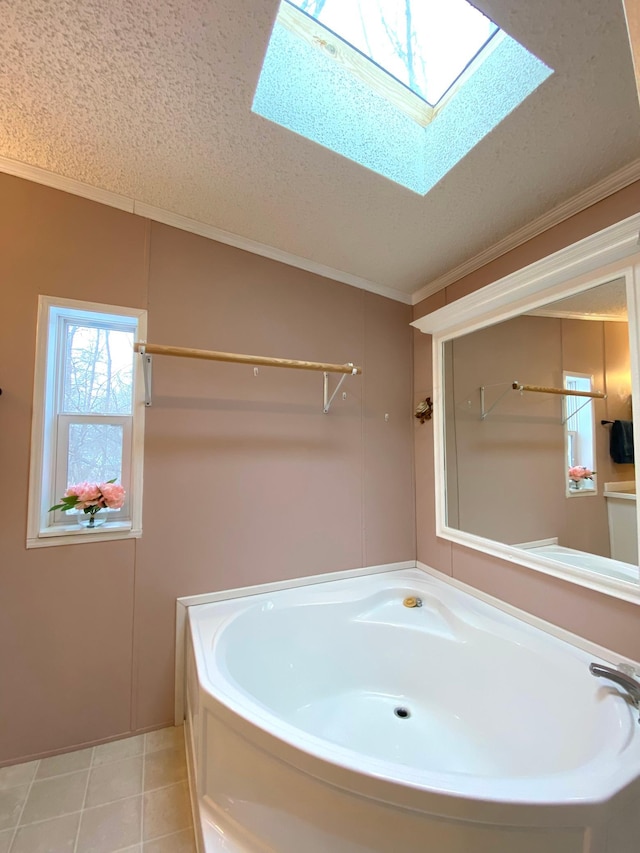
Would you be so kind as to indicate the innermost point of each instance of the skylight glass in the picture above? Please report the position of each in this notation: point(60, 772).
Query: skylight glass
point(319, 85)
point(425, 44)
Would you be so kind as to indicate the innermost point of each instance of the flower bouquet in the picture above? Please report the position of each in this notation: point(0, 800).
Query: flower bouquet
point(91, 498)
point(578, 473)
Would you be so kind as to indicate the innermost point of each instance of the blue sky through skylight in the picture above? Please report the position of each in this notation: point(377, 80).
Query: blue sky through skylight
point(426, 44)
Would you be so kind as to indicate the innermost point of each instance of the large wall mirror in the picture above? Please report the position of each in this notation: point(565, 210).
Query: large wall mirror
point(534, 385)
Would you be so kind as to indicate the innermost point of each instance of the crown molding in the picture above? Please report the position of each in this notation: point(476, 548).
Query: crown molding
point(67, 185)
point(609, 185)
point(166, 217)
point(175, 220)
point(607, 251)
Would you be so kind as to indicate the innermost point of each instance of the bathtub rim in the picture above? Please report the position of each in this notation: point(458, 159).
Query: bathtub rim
point(562, 550)
point(183, 604)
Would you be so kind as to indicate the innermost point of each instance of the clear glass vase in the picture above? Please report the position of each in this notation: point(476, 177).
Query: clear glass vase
point(91, 520)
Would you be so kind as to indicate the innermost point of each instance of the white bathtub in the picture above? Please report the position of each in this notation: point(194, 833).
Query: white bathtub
point(295, 745)
point(583, 560)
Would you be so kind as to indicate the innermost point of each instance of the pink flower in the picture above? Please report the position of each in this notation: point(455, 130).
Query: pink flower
point(579, 472)
point(112, 495)
point(91, 497)
point(88, 494)
point(73, 491)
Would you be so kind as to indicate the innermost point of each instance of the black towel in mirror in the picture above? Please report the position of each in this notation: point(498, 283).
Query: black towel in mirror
point(621, 441)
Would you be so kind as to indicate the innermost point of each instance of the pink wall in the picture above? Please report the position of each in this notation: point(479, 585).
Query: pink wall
point(600, 618)
point(507, 463)
point(246, 480)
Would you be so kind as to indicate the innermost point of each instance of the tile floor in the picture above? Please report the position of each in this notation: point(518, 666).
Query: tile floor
point(129, 796)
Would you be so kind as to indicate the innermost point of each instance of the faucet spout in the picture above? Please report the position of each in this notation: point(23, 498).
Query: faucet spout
point(627, 682)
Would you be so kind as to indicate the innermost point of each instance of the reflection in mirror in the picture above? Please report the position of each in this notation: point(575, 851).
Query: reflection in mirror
point(532, 466)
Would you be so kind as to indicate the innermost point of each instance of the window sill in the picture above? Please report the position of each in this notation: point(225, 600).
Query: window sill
point(73, 534)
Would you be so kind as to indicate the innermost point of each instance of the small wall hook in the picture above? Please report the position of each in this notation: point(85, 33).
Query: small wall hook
point(424, 410)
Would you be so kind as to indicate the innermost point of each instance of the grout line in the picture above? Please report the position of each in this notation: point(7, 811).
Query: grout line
point(99, 806)
point(66, 773)
point(17, 826)
point(47, 819)
point(133, 675)
point(144, 761)
point(116, 760)
point(189, 828)
point(91, 766)
point(89, 809)
point(84, 800)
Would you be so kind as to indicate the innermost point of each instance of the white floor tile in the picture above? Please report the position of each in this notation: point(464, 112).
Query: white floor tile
point(6, 837)
point(166, 810)
point(114, 781)
point(11, 802)
point(54, 797)
point(164, 767)
point(169, 738)
point(68, 762)
point(17, 774)
point(112, 827)
point(118, 749)
point(179, 842)
point(49, 836)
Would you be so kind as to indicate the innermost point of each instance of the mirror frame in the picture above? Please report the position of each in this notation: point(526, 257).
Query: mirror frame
point(597, 259)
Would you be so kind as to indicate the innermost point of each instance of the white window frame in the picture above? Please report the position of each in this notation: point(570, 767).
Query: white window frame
point(49, 427)
point(588, 459)
point(64, 422)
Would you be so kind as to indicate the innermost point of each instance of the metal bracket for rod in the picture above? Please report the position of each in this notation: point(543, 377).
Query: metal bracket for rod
point(147, 367)
point(566, 418)
point(328, 400)
point(484, 412)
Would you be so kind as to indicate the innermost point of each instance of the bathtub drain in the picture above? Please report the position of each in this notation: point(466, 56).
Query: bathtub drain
point(401, 712)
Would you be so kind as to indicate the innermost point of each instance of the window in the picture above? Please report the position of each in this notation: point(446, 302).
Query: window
point(88, 417)
point(579, 433)
point(423, 46)
point(406, 88)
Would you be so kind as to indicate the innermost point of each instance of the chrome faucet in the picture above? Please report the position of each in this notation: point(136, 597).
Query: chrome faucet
point(622, 679)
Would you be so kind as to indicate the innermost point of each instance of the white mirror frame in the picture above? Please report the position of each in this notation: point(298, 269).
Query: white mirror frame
point(608, 254)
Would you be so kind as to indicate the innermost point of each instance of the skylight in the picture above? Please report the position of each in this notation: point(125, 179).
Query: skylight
point(425, 45)
point(406, 96)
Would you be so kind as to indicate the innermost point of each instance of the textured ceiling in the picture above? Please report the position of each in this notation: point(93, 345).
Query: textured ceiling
point(604, 302)
point(152, 99)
